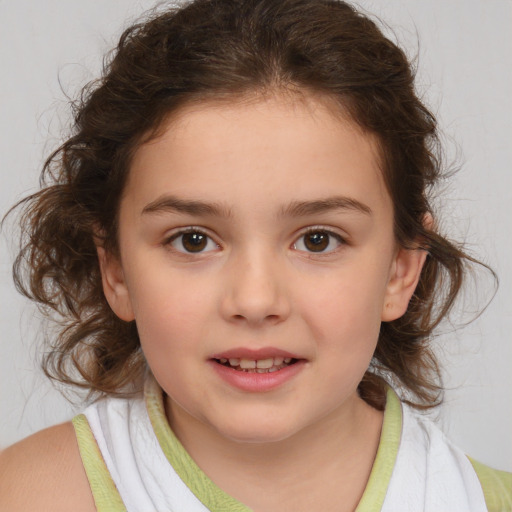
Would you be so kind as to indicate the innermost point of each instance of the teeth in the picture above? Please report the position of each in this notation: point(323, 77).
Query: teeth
point(265, 363)
point(247, 364)
point(271, 364)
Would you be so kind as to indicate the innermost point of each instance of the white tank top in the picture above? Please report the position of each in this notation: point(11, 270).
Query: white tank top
point(135, 463)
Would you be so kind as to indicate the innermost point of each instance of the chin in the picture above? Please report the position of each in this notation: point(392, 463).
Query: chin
point(252, 432)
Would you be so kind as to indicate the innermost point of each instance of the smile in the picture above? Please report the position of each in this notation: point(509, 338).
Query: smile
point(268, 365)
point(257, 370)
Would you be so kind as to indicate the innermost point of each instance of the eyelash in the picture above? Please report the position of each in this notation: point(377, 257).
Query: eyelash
point(310, 231)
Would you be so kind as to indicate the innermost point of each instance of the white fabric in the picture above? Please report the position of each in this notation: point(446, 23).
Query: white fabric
point(430, 475)
point(142, 474)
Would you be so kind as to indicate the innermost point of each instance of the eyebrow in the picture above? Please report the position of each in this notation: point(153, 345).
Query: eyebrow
point(191, 207)
point(294, 209)
point(304, 208)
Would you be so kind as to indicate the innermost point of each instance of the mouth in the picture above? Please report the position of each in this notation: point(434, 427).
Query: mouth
point(257, 370)
point(267, 365)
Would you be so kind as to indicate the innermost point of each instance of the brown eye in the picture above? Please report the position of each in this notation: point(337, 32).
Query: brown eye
point(192, 242)
point(318, 241)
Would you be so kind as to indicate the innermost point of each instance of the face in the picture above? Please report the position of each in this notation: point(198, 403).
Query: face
point(258, 260)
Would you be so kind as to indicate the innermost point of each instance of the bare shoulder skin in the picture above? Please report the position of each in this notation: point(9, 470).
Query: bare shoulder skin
point(44, 472)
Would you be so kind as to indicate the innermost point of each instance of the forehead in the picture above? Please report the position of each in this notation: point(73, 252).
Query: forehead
point(271, 147)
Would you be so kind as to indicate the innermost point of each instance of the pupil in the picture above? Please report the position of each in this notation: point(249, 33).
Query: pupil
point(194, 242)
point(317, 242)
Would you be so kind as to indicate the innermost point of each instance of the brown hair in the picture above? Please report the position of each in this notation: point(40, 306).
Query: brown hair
point(214, 49)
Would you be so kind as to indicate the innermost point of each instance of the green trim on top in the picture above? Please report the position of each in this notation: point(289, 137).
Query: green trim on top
point(216, 499)
point(497, 487)
point(378, 483)
point(213, 497)
point(104, 491)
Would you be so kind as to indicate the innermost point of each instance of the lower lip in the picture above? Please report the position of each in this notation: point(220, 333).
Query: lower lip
point(257, 382)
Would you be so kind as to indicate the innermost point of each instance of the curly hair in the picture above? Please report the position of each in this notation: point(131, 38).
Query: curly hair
point(215, 49)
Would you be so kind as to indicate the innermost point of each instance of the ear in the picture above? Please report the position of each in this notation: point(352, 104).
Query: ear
point(404, 277)
point(114, 285)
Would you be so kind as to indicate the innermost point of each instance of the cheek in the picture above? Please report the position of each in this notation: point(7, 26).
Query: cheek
point(344, 309)
point(173, 323)
point(171, 311)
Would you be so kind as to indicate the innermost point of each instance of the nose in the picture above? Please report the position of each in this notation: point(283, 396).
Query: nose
point(255, 290)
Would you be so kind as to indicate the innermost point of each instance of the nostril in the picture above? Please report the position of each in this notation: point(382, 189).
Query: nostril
point(264, 319)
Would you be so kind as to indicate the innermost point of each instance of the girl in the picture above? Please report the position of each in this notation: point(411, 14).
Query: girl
point(239, 247)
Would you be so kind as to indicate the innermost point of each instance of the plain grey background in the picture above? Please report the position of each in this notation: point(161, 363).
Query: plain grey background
point(464, 54)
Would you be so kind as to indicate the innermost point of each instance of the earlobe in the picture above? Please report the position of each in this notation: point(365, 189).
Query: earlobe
point(114, 285)
point(404, 276)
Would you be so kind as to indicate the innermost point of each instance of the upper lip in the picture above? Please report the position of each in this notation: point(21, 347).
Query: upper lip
point(254, 354)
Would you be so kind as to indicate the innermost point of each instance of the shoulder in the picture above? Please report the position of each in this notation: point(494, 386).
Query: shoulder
point(45, 472)
point(496, 485)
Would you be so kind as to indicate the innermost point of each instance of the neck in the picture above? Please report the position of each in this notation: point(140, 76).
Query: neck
point(327, 463)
